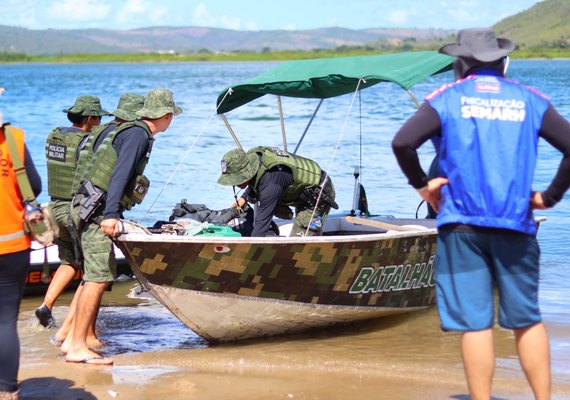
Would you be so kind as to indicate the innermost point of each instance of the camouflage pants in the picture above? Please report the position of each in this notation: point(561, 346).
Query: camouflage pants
point(60, 210)
point(310, 220)
point(99, 262)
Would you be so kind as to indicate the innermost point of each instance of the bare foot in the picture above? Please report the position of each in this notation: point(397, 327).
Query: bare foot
point(55, 341)
point(93, 343)
point(66, 345)
point(92, 359)
point(60, 336)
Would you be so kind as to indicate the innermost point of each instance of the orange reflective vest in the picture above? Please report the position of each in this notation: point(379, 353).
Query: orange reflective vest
point(13, 238)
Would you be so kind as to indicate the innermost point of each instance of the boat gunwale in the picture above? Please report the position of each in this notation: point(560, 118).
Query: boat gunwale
point(367, 237)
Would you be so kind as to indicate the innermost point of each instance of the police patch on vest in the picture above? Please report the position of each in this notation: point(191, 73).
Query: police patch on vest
point(56, 152)
point(278, 151)
point(140, 189)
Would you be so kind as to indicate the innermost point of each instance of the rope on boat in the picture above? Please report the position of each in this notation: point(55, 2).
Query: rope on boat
point(337, 146)
point(229, 92)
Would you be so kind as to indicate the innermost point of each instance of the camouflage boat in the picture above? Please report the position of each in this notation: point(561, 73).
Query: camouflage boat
point(233, 288)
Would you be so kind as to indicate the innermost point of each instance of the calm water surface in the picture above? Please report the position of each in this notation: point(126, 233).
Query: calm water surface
point(185, 164)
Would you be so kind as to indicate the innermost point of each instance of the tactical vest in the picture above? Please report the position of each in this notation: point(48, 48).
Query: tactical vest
point(99, 168)
point(87, 153)
point(61, 155)
point(306, 173)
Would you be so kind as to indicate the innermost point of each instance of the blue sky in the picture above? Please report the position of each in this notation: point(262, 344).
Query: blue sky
point(257, 14)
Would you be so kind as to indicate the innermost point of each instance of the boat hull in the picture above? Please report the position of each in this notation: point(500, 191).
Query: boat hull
point(237, 288)
point(229, 317)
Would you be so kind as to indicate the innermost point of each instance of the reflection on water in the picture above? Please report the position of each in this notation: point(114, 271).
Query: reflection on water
point(144, 329)
point(127, 323)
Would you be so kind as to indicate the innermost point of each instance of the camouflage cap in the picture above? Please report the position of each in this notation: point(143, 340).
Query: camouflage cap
point(238, 167)
point(158, 103)
point(129, 104)
point(88, 106)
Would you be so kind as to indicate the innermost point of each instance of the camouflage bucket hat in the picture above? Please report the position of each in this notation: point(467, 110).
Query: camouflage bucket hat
point(129, 104)
point(238, 167)
point(158, 103)
point(88, 106)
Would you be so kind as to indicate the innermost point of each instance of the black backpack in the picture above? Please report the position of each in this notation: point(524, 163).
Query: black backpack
point(239, 221)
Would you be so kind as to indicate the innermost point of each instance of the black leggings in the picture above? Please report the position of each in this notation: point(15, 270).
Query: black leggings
point(13, 270)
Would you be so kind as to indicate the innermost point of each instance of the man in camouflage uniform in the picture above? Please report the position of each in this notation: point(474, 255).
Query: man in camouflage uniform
point(129, 104)
point(62, 152)
point(276, 180)
point(112, 182)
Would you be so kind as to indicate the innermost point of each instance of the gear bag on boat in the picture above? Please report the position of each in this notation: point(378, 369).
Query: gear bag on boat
point(236, 220)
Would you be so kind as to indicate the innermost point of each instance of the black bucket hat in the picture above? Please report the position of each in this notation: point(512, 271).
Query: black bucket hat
point(479, 44)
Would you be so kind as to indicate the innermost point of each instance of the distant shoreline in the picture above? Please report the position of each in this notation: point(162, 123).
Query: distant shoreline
point(12, 58)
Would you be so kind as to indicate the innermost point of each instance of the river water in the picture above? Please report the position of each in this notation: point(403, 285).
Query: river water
point(377, 359)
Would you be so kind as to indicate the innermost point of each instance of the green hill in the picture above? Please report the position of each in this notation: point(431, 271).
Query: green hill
point(545, 25)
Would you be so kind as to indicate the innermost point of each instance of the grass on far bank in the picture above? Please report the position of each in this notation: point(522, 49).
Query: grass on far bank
point(7, 57)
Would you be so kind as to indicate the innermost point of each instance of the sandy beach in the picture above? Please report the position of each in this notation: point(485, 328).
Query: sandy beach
point(175, 376)
point(157, 357)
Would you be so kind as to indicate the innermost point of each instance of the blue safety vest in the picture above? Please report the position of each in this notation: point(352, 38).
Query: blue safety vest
point(488, 151)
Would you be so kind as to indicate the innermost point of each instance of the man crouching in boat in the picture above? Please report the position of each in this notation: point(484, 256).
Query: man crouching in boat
point(276, 180)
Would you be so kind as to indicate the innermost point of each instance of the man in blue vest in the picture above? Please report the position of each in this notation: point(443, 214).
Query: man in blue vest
point(486, 130)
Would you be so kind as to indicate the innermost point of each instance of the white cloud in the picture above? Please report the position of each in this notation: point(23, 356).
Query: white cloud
point(250, 26)
point(79, 10)
point(469, 4)
point(135, 7)
point(202, 17)
point(132, 9)
point(398, 17)
point(250, 15)
point(141, 11)
point(21, 13)
point(229, 22)
point(289, 27)
point(464, 16)
point(333, 22)
point(158, 14)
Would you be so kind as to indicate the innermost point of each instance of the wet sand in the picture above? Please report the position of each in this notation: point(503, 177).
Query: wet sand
point(405, 357)
point(176, 375)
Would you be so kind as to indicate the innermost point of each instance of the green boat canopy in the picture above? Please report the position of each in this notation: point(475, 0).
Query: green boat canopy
point(329, 77)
